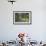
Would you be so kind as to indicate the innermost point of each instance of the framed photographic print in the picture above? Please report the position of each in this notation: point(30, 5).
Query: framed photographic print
point(22, 17)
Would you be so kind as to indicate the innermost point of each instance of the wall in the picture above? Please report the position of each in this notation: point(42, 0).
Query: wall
point(9, 31)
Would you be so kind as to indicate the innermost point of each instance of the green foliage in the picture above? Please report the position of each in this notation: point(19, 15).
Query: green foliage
point(21, 17)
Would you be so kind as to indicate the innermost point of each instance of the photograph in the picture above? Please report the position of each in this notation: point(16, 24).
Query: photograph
point(22, 17)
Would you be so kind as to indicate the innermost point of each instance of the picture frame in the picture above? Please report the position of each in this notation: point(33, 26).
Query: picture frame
point(22, 17)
